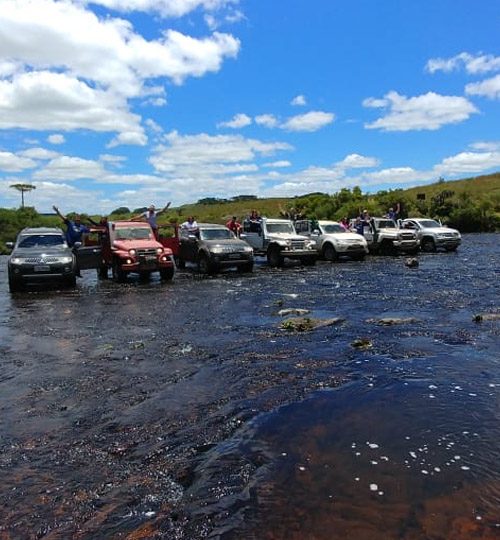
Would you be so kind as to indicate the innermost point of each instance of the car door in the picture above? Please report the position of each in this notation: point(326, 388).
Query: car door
point(188, 247)
point(89, 254)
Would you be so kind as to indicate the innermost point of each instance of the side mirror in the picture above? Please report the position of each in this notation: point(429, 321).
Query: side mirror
point(243, 235)
point(10, 245)
point(77, 245)
point(315, 232)
point(192, 237)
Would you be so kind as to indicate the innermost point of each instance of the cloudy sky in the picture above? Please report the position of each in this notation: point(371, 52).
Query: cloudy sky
point(107, 103)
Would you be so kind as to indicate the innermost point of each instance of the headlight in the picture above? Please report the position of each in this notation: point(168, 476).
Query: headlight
point(310, 244)
point(159, 250)
point(132, 252)
point(66, 260)
point(344, 242)
point(247, 249)
point(16, 260)
point(217, 250)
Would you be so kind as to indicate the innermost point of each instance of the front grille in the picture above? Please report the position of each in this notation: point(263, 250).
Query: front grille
point(41, 260)
point(146, 252)
point(298, 244)
point(407, 236)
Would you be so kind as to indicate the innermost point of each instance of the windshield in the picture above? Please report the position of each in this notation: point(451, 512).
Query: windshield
point(216, 234)
point(332, 228)
point(385, 224)
point(42, 240)
point(428, 223)
point(280, 228)
point(133, 233)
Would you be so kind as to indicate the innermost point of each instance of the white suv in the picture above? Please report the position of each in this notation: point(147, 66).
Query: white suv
point(332, 240)
point(432, 234)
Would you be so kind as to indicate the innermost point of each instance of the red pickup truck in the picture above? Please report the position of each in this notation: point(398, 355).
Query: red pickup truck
point(126, 247)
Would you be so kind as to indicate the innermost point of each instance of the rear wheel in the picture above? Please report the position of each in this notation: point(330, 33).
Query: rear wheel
point(428, 245)
point(167, 274)
point(274, 257)
point(102, 272)
point(118, 274)
point(329, 252)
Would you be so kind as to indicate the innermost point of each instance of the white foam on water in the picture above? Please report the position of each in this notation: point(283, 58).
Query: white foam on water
point(413, 455)
point(373, 487)
point(465, 468)
point(372, 445)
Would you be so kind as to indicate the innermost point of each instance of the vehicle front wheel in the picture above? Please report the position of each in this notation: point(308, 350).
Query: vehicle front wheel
point(204, 265)
point(102, 272)
point(274, 257)
point(386, 248)
point(166, 274)
point(244, 268)
point(70, 281)
point(15, 285)
point(428, 245)
point(118, 274)
point(329, 252)
point(181, 263)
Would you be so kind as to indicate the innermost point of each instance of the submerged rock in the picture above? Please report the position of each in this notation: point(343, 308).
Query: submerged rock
point(362, 343)
point(411, 262)
point(293, 311)
point(486, 317)
point(390, 321)
point(306, 324)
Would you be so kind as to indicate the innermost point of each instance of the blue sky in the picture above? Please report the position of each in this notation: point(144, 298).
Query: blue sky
point(111, 103)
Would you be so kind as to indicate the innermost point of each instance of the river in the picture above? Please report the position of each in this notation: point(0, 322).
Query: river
point(183, 410)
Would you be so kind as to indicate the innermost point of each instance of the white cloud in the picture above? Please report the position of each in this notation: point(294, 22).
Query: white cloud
point(267, 120)
point(298, 100)
point(473, 64)
point(10, 162)
point(56, 138)
point(429, 111)
point(65, 68)
point(278, 164)
point(66, 168)
point(166, 8)
point(38, 153)
point(489, 88)
point(393, 175)
point(311, 121)
point(55, 101)
point(469, 162)
point(356, 161)
point(238, 121)
point(487, 146)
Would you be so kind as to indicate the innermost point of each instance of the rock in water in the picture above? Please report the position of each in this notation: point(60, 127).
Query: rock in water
point(411, 262)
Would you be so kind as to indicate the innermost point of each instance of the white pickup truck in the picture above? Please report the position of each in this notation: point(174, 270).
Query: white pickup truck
point(276, 239)
point(332, 240)
point(386, 238)
point(432, 234)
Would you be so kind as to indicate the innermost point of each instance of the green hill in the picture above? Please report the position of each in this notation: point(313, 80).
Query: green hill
point(470, 205)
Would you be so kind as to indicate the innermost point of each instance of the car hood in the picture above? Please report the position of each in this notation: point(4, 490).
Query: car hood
point(229, 243)
point(136, 244)
point(286, 236)
point(438, 230)
point(54, 251)
point(345, 236)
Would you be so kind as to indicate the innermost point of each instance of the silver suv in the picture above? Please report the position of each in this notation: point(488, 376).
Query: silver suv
point(384, 237)
point(276, 239)
point(41, 255)
point(432, 234)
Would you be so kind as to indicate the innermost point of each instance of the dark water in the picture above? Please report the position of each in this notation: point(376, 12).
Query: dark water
point(183, 411)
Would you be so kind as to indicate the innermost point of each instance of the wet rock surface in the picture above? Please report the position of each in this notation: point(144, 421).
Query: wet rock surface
point(184, 411)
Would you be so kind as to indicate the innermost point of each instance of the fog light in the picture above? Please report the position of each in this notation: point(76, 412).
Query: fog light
point(128, 261)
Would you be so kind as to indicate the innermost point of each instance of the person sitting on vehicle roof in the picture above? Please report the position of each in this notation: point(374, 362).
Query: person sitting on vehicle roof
point(254, 220)
point(75, 229)
point(234, 225)
point(150, 216)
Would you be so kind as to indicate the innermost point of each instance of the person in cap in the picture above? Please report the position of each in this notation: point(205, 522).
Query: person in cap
point(150, 216)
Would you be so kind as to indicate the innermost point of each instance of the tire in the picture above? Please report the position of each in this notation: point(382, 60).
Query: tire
point(102, 272)
point(329, 252)
point(386, 248)
point(245, 268)
point(181, 263)
point(15, 285)
point(70, 281)
point(308, 261)
point(428, 245)
point(118, 274)
point(204, 265)
point(167, 274)
point(274, 257)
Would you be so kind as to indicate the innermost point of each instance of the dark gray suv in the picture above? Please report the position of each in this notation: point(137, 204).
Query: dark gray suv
point(39, 255)
point(214, 247)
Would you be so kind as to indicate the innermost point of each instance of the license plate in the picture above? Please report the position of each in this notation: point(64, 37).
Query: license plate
point(150, 259)
point(42, 268)
point(234, 255)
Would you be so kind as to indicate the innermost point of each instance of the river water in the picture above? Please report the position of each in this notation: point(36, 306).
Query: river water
point(184, 410)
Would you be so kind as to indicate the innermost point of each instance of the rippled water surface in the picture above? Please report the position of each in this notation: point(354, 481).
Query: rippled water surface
point(184, 411)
